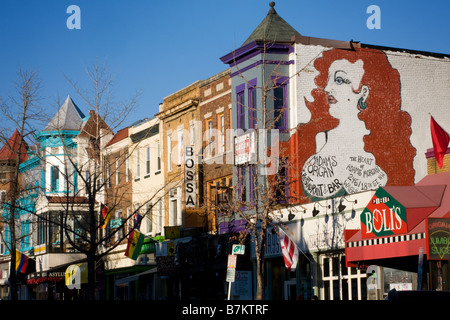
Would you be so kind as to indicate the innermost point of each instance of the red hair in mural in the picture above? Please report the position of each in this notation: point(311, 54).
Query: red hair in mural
point(389, 126)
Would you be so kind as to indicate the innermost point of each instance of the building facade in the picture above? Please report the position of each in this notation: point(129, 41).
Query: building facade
point(217, 145)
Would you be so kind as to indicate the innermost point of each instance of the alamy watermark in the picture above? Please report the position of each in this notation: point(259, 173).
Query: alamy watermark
point(374, 20)
point(74, 20)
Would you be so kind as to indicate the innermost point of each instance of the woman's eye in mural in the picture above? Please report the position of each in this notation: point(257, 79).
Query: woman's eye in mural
point(339, 78)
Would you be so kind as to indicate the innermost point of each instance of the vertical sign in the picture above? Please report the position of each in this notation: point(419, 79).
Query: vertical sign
point(189, 176)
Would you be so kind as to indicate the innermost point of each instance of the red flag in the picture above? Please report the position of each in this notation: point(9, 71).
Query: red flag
point(290, 251)
point(440, 142)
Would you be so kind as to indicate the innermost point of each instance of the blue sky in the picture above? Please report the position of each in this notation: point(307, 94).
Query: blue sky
point(159, 47)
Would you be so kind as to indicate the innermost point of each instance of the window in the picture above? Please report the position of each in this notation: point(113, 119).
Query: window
point(252, 182)
point(222, 133)
point(252, 104)
point(192, 133)
point(138, 164)
point(240, 123)
point(180, 146)
point(174, 207)
point(108, 175)
point(209, 147)
point(341, 282)
point(160, 215)
point(280, 110)
point(173, 212)
point(54, 178)
point(169, 153)
point(118, 217)
point(242, 191)
point(282, 182)
point(2, 197)
point(25, 230)
point(117, 171)
point(149, 218)
point(158, 157)
point(127, 168)
point(42, 230)
point(147, 161)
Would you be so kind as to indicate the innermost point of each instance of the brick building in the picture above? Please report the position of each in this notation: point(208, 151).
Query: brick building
point(216, 114)
point(181, 126)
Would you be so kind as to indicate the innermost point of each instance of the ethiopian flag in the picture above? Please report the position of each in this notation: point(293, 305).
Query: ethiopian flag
point(21, 262)
point(134, 246)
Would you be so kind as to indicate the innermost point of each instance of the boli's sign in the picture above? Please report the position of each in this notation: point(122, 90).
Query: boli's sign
point(383, 216)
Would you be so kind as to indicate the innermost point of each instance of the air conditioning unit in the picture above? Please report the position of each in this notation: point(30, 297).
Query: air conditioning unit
point(173, 192)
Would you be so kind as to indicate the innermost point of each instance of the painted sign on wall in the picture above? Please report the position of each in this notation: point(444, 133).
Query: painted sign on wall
point(352, 127)
point(383, 216)
point(438, 236)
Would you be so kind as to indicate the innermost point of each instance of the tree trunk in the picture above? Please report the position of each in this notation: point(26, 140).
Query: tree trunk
point(91, 277)
point(260, 247)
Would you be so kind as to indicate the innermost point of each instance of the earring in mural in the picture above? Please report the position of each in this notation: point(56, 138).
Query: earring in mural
point(362, 104)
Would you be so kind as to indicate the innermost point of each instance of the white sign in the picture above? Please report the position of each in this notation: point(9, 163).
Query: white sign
point(238, 249)
point(189, 176)
point(231, 267)
point(245, 148)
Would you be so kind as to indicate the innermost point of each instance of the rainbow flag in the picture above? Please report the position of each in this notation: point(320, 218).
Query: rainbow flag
point(135, 241)
point(106, 214)
point(21, 262)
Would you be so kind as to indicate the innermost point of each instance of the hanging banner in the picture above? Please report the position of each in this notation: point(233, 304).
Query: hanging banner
point(438, 238)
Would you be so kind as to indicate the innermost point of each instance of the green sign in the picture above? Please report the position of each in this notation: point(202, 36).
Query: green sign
point(238, 249)
point(438, 238)
point(383, 216)
point(149, 244)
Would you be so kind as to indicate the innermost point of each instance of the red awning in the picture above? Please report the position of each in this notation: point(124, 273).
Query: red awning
point(428, 198)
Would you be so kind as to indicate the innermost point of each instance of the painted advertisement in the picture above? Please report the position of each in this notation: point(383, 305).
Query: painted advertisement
point(352, 125)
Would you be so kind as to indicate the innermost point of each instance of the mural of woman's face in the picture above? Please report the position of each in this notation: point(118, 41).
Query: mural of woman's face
point(342, 87)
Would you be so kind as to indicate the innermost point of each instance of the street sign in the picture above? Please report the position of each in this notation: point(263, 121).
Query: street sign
point(232, 261)
point(231, 268)
point(238, 249)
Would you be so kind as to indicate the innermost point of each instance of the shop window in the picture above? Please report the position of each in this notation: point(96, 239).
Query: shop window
point(341, 282)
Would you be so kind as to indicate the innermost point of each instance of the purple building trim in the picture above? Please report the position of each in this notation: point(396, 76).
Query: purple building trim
point(232, 226)
point(254, 48)
point(257, 63)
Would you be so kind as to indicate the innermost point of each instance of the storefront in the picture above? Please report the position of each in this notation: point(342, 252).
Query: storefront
point(46, 285)
point(405, 228)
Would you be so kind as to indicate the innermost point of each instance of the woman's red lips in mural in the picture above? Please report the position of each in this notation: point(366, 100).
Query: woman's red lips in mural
point(331, 99)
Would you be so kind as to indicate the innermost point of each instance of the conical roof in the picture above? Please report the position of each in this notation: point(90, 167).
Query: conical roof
point(68, 117)
point(272, 28)
point(10, 149)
